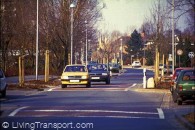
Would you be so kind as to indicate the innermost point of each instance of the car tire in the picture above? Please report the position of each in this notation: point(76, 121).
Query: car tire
point(3, 93)
point(179, 102)
point(174, 98)
point(108, 81)
point(64, 86)
point(88, 85)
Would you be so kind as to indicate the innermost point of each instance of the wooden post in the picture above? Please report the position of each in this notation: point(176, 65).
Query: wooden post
point(163, 62)
point(47, 66)
point(21, 71)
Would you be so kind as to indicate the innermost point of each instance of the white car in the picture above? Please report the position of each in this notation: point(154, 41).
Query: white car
point(136, 64)
point(3, 83)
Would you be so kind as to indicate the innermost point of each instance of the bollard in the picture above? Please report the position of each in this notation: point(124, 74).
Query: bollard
point(144, 78)
point(150, 83)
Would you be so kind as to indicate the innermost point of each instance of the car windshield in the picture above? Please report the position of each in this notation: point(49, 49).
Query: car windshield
point(75, 69)
point(98, 67)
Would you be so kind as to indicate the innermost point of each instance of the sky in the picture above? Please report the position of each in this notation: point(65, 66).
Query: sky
point(124, 15)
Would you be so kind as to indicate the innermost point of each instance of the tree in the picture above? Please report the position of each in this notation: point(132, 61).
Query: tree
point(18, 30)
point(135, 44)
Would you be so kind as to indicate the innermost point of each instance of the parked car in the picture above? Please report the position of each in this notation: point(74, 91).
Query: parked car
point(3, 83)
point(184, 86)
point(136, 64)
point(99, 73)
point(75, 75)
point(175, 75)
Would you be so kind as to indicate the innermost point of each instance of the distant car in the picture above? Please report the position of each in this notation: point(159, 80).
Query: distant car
point(175, 75)
point(161, 66)
point(184, 86)
point(3, 83)
point(168, 69)
point(99, 73)
point(75, 75)
point(136, 64)
point(114, 68)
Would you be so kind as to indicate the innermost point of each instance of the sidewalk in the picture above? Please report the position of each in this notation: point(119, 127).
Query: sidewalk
point(178, 111)
point(179, 115)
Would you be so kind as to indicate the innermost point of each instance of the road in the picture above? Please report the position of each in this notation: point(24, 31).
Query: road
point(122, 105)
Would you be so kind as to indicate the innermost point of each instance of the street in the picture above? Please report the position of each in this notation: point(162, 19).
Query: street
point(122, 105)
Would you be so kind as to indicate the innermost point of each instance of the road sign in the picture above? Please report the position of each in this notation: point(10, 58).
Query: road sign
point(191, 54)
point(179, 52)
point(170, 57)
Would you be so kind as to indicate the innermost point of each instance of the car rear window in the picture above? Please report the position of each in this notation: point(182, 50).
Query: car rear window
point(189, 76)
point(75, 69)
point(97, 67)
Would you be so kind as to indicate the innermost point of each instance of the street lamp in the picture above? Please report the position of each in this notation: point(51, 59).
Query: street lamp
point(121, 53)
point(173, 57)
point(86, 41)
point(71, 32)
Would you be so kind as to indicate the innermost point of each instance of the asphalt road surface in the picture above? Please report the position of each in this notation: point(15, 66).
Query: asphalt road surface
point(118, 106)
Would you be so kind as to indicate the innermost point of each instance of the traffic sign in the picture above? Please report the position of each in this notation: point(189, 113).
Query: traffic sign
point(179, 52)
point(170, 57)
point(191, 54)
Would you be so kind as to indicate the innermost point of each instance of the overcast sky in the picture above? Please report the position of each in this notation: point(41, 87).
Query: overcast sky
point(123, 15)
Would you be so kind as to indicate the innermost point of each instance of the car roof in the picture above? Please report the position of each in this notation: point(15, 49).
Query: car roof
point(76, 65)
point(186, 70)
point(183, 68)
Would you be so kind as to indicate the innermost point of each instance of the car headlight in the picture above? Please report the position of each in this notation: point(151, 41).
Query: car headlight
point(104, 74)
point(64, 77)
point(84, 77)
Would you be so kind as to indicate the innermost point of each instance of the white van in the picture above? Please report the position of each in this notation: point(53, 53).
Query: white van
point(136, 64)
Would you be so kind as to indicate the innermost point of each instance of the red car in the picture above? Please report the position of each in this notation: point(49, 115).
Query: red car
point(176, 74)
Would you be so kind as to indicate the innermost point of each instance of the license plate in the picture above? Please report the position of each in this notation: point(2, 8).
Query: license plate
point(74, 81)
point(95, 78)
point(193, 88)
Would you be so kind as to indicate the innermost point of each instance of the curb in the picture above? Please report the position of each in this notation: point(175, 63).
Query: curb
point(184, 122)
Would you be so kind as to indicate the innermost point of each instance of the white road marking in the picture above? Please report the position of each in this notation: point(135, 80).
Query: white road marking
point(124, 117)
point(161, 113)
point(127, 89)
point(16, 111)
point(88, 89)
point(50, 89)
point(96, 111)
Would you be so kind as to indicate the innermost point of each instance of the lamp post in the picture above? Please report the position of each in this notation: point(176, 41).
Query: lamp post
point(71, 32)
point(173, 57)
point(86, 41)
point(37, 41)
point(121, 53)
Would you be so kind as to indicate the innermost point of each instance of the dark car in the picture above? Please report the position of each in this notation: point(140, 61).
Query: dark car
point(184, 86)
point(99, 73)
point(114, 68)
point(3, 83)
